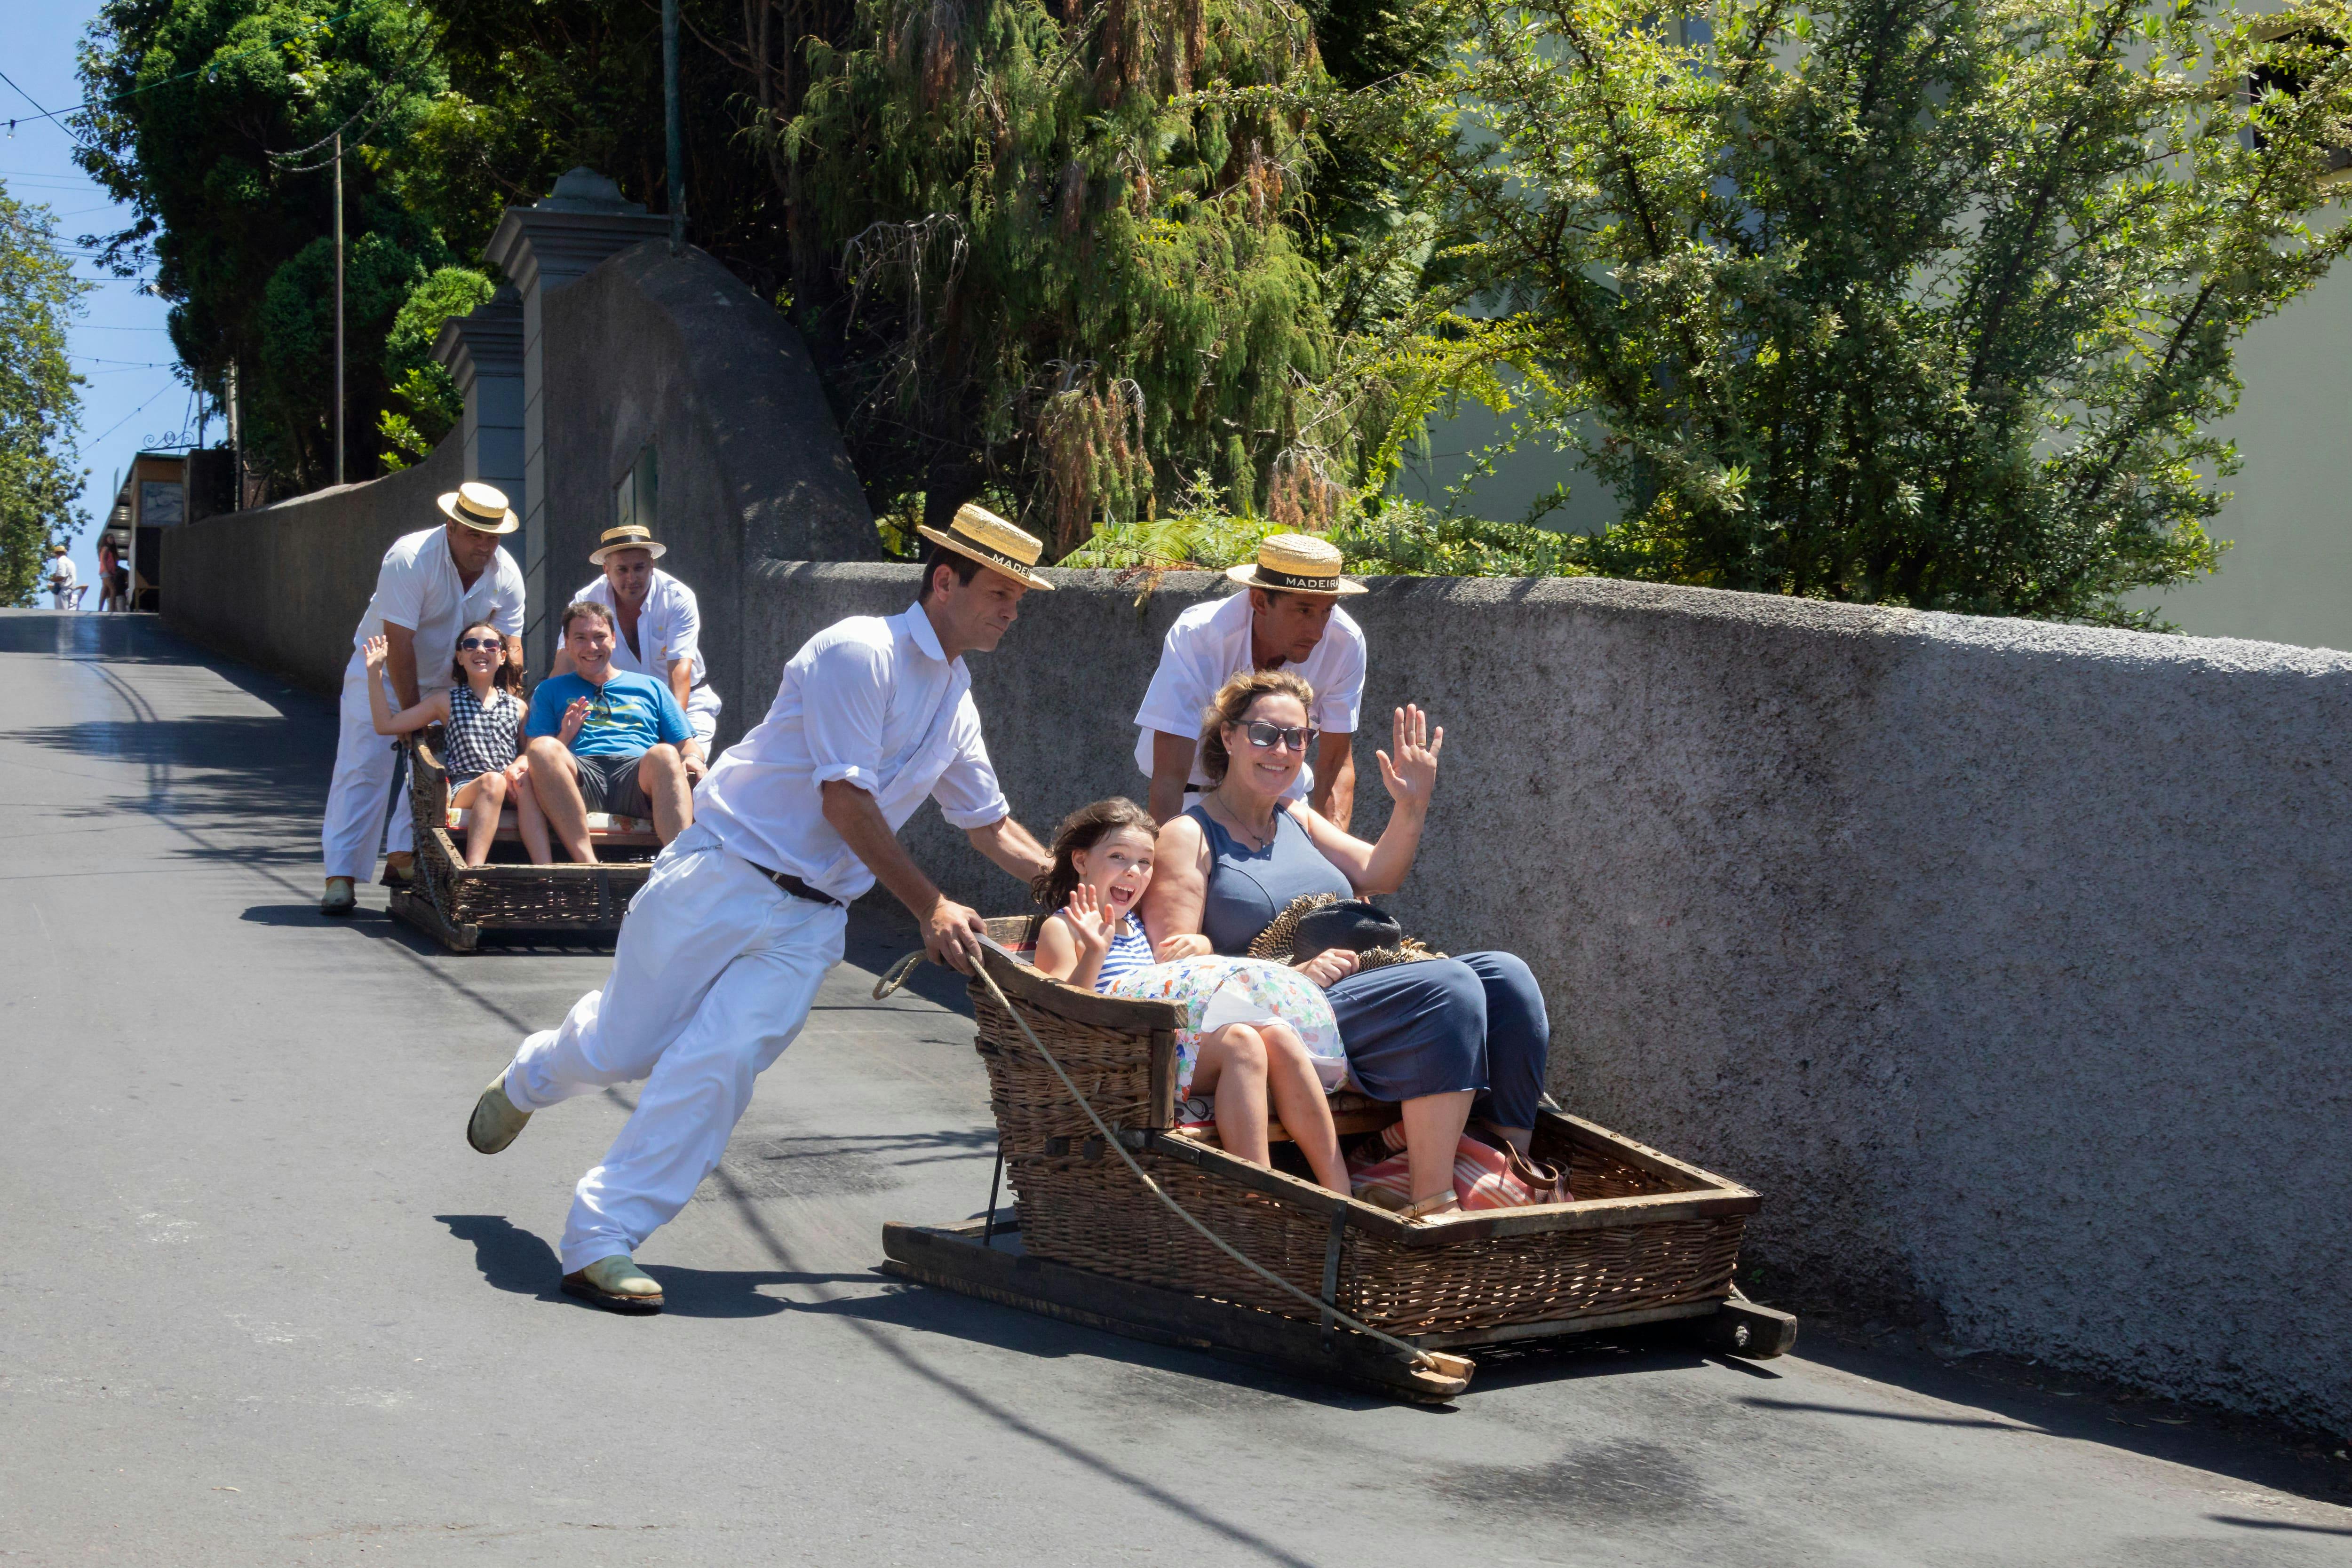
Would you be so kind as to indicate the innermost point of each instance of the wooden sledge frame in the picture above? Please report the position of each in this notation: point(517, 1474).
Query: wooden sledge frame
point(599, 892)
point(959, 1257)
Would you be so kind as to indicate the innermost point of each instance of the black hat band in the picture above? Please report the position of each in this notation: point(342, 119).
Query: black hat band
point(1269, 578)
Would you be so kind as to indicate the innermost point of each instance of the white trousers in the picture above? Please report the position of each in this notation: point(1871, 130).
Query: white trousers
point(702, 713)
point(715, 973)
point(365, 765)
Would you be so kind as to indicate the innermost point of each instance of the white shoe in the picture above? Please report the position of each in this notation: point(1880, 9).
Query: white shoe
point(617, 1285)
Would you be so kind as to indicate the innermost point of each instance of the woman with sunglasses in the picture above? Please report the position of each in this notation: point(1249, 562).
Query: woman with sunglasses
point(1441, 1038)
point(481, 713)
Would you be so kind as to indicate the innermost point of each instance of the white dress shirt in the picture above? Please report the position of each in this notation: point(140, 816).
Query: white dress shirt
point(417, 587)
point(669, 627)
point(874, 700)
point(1210, 644)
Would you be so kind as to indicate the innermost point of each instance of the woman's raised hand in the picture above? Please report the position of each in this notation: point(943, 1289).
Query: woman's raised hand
point(1412, 773)
point(1192, 945)
point(1091, 922)
point(374, 652)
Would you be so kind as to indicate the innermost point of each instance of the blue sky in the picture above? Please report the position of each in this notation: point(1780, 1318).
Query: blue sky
point(131, 398)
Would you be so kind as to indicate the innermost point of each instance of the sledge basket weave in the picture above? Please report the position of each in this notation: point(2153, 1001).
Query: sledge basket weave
point(1648, 1237)
point(455, 903)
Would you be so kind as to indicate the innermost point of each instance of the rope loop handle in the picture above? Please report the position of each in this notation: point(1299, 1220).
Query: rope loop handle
point(1329, 1310)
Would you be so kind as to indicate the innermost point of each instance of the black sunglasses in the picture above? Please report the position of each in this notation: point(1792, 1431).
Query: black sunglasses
point(1266, 736)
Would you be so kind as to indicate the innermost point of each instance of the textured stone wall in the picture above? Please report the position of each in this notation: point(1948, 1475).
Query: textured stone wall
point(283, 587)
point(2008, 961)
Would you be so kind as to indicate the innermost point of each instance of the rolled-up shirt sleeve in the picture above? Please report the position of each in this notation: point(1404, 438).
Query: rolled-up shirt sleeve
point(968, 793)
point(1339, 703)
point(683, 639)
point(1179, 691)
point(847, 699)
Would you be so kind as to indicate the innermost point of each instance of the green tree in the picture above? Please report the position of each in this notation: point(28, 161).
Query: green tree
point(1046, 253)
point(424, 400)
point(213, 120)
point(1916, 302)
point(40, 401)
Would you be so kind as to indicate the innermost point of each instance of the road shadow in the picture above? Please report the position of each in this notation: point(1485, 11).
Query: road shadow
point(519, 1262)
point(1992, 1393)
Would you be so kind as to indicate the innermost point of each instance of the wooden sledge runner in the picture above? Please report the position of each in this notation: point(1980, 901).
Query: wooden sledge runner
point(454, 902)
point(1649, 1239)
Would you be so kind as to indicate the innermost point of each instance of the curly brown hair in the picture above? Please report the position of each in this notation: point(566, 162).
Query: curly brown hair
point(1083, 829)
point(1233, 700)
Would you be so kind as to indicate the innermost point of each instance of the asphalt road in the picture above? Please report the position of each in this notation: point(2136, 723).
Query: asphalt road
point(259, 1304)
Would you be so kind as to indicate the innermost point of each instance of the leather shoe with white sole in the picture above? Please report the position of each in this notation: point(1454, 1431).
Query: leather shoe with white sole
point(616, 1284)
point(496, 1120)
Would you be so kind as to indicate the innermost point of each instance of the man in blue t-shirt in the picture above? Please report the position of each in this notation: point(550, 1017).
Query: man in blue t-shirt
point(604, 739)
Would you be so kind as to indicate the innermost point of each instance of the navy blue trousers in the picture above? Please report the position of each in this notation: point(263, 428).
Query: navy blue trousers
point(1472, 1021)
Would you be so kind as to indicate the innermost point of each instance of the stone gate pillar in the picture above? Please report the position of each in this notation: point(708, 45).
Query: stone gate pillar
point(542, 248)
point(483, 353)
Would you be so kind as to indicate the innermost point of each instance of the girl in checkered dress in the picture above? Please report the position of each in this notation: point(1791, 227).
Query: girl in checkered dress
point(481, 716)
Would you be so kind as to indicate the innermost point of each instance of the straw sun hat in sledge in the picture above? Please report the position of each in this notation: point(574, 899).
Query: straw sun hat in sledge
point(628, 536)
point(1295, 563)
point(989, 539)
point(482, 508)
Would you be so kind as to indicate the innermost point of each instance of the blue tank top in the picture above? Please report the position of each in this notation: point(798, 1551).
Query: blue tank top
point(1129, 950)
point(1247, 887)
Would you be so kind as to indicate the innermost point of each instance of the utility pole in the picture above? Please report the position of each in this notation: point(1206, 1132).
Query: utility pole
point(339, 303)
point(677, 141)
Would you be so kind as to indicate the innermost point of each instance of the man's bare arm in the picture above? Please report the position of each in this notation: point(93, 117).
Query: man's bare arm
point(1334, 794)
point(400, 660)
point(1012, 847)
point(951, 933)
point(681, 686)
point(1172, 768)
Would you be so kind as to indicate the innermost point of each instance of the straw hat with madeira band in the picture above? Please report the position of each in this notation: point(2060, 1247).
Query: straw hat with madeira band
point(1295, 563)
point(989, 539)
point(481, 507)
point(628, 536)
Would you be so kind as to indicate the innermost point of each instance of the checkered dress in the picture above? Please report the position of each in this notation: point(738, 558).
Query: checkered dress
point(482, 739)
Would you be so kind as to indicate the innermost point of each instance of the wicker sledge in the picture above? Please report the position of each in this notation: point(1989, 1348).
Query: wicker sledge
point(455, 903)
point(1647, 1238)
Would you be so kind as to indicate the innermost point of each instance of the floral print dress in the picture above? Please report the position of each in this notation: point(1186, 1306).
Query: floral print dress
point(1216, 991)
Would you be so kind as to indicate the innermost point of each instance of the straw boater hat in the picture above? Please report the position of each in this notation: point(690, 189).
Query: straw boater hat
point(57, 550)
point(482, 508)
point(1295, 563)
point(628, 536)
point(991, 540)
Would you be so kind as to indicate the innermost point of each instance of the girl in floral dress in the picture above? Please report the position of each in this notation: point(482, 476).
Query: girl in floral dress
point(1258, 1032)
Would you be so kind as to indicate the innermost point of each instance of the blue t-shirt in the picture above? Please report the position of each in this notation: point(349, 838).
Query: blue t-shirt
point(629, 713)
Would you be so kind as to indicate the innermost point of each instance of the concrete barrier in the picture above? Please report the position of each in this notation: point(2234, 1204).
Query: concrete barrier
point(2007, 959)
point(283, 587)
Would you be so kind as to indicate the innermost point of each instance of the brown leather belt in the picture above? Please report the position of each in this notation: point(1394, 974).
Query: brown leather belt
point(796, 887)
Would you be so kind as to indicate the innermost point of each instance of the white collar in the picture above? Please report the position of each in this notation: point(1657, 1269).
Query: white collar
point(925, 635)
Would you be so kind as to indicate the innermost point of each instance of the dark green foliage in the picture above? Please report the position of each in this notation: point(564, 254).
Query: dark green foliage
point(1919, 302)
point(426, 401)
point(234, 194)
point(1045, 254)
point(39, 399)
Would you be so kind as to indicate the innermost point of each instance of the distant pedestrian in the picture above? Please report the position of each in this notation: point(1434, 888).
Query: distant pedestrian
point(431, 586)
point(109, 566)
point(62, 578)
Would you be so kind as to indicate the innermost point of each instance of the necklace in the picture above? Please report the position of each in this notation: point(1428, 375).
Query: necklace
point(1252, 836)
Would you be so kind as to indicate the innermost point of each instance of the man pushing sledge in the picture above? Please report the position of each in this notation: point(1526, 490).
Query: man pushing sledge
point(721, 959)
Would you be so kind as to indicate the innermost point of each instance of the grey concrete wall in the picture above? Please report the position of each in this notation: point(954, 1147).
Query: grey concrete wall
point(2007, 960)
point(673, 352)
point(283, 587)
